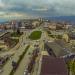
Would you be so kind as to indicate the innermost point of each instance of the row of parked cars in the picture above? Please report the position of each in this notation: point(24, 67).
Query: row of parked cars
point(28, 69)
point(3, 61)
point(69, 57)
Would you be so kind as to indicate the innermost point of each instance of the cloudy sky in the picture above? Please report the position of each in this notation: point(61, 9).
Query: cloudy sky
point(36, 8)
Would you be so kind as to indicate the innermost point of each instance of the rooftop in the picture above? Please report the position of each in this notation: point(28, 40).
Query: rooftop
point(56, 48)
point(53, 66)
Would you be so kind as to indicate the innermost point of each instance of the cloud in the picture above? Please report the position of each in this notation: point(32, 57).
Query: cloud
point(36, 8)
point(13, 15)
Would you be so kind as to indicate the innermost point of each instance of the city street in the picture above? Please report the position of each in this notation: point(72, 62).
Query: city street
point(19, 49)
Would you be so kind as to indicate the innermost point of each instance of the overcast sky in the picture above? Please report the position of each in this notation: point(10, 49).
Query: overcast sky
point(36, 8)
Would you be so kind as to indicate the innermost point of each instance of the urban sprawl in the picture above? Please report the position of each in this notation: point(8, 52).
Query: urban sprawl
point(37, 47)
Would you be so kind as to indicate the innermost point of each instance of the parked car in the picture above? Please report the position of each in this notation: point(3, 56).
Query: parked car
point(1, 70)
point(26, 71)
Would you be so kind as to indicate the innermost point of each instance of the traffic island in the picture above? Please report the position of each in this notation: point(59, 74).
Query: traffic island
point(35, 35)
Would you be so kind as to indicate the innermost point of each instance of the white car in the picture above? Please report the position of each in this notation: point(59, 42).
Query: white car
point(26, 72)
point(1, 70)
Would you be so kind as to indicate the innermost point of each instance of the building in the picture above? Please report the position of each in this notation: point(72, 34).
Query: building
point(67, 26)
point(53, 66)
point(14, 25)
point(54, 49)
point(49, 25)
point(5, 35)
point(65, 37)
point(45, 25)
point(69, 36)
point(44, 53)
point(72, 35)
point(27, 24)
point(52, 27)
point(35, 23)
point(5, 26)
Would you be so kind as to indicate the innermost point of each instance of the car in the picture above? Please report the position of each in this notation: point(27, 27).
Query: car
point(72, 56)
point(26, 72)
point(1, 70)
point(36, 45)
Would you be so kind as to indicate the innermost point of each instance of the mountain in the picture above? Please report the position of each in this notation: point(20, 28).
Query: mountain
point(70, 19)
point(3, 21)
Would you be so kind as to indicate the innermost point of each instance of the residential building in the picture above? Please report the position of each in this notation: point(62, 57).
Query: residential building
point(35, 23)
point(52, 27)
point(65, 37)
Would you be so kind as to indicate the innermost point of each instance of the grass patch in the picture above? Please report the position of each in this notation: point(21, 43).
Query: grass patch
point(35, 35)
point(15, 40)
point(71, 66)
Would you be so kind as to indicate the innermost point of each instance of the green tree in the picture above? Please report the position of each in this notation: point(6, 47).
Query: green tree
point(18, 31)
point(72, 67)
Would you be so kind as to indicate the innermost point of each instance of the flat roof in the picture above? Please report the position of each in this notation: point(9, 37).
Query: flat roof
point(56, 48)
point(44, 53)
point(53, 66)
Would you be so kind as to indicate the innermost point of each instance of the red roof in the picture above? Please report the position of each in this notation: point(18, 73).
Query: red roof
point(53, 66)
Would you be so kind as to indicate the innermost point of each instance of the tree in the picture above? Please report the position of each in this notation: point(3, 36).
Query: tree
point(18, 31)
point(72, 66)
point(59, 36)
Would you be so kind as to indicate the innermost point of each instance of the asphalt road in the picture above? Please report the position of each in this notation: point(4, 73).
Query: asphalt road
point(19, 48)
